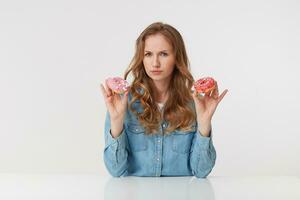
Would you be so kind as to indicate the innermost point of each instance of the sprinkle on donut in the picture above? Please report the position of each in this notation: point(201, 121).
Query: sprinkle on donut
point(205, 85)
point(117, 85)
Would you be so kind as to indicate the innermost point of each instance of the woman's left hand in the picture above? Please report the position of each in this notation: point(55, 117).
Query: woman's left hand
point(206, 105)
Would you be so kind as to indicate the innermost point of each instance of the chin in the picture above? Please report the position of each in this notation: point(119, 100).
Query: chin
point(158, 78)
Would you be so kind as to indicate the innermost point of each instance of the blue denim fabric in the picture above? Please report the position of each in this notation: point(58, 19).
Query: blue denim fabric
point(134, 153)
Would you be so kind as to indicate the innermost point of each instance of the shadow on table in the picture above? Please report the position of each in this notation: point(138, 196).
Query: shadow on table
point(134, 188)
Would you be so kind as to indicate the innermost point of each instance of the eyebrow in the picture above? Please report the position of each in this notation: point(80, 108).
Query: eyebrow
point(159, 51)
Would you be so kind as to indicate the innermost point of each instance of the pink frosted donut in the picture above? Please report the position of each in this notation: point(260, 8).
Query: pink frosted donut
point(117, 84)
point(205, 85)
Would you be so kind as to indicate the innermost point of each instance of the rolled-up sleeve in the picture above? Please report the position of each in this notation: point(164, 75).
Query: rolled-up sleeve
point(202, 155)
point(115, 151)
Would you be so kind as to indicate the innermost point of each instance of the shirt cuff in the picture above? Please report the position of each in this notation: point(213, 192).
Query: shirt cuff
point(202, 142)
point(118, 142)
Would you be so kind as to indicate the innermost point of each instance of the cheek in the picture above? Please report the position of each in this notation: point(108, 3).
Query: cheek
point(170, 65)
point(170, 70)
point(147, 65)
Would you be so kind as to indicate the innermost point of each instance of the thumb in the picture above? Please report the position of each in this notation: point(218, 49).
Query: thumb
point(194, 95)
point(197, 96)
point(125, 98)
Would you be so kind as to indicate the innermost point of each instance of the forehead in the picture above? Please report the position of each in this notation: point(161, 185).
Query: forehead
point(157, 42)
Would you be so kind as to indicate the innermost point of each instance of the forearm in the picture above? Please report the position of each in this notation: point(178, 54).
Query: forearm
point(205, 127)
point(115, 156)
point(202, 156)
point(116, 127)
point(115, 150)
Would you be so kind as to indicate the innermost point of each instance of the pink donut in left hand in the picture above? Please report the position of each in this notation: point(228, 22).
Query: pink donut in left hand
point(205, 85)
point(117, 84)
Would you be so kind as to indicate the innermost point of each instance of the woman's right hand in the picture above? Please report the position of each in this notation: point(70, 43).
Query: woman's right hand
point(115, 104)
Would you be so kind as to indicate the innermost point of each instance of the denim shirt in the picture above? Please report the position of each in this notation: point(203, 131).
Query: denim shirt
point(133, 153)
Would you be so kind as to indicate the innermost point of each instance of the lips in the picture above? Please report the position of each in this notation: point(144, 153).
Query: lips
point(156, 73)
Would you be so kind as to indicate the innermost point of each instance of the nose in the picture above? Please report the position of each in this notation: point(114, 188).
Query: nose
point(155, 62)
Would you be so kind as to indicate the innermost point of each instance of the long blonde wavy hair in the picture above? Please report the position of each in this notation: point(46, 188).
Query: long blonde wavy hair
point(178, 110)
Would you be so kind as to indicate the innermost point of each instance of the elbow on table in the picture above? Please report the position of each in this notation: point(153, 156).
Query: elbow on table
point(202, 174)
point(116, 170)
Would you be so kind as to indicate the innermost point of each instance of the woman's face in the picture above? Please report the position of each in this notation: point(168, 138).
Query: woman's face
point(159, 58)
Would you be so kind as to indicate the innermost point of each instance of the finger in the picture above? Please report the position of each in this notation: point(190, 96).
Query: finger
point(109, 91)
point(194, 93)
point(196, 96)
point(107, 98)
point(104, 93)
point(222, 95)
point(215, 93)
point(125, 97)
point(208, 94)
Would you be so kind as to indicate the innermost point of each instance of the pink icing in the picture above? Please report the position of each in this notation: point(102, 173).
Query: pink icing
point(117, 84)
point(204, 84)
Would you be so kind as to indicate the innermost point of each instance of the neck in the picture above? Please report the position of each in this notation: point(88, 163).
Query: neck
point(161, 91)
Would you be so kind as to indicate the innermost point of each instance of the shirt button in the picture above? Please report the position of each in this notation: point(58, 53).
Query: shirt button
point(164, 125)
point(157, 159)
point(136, 129)
point(158, 141)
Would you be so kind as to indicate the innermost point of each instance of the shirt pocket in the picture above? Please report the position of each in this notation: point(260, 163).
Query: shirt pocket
point(182, 140)
point(136, 138)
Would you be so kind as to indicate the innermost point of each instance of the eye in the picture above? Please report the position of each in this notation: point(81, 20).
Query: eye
point(164, 54)
point(147, 54)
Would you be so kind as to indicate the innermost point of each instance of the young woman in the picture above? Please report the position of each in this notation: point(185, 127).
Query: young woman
point(160, 127)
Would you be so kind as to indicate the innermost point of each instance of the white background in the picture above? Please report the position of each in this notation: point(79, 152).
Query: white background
point(54, 55)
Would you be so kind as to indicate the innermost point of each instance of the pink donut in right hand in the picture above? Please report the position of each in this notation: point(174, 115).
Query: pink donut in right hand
point(117, 84)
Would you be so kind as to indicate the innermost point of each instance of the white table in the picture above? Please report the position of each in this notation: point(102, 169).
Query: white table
point(93, 186)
